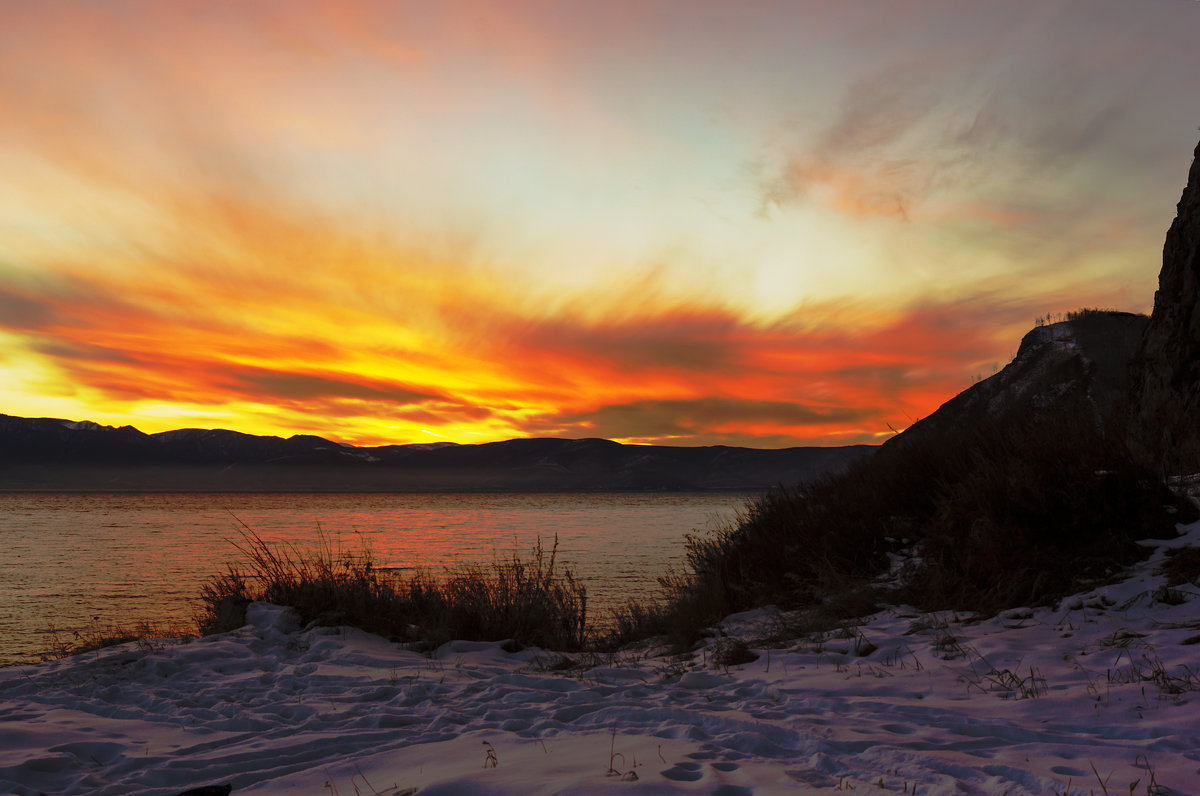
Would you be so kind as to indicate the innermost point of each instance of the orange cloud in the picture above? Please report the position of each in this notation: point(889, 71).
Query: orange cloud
point(379, 353)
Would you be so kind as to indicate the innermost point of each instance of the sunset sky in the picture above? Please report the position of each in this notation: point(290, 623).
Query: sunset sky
point(692, 223)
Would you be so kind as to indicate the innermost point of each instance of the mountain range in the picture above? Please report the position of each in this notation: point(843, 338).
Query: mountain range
point(56, 454)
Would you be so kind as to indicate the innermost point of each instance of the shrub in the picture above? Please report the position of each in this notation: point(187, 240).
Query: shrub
point(531, 601)
point(1036, 513)
point(729, 651)
point(681, 615)
point(999, 516)
point(1182, 566)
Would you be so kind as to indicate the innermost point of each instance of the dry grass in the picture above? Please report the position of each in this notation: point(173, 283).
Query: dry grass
point(98, 635)
point(1182, 566)
point(531, 600)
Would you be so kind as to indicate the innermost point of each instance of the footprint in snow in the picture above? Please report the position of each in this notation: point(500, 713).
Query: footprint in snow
point(684, 772)
point(720, 771)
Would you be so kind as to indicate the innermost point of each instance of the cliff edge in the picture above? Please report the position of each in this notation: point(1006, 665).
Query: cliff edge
point(1164, 377)
point(1079, 365)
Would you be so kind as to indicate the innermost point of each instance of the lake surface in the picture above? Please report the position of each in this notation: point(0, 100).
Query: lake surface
point(71, 561)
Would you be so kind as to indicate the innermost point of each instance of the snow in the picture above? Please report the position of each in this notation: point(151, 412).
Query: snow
point(1095, 695)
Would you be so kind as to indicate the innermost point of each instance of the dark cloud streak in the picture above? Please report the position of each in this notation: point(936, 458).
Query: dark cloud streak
point(691, 418)
point(283, 386)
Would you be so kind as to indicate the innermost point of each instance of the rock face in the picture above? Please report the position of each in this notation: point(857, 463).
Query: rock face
point(1164, 390)
point(1077, 366)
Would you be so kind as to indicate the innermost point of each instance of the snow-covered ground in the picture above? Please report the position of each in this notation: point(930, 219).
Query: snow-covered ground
point(1094, 696)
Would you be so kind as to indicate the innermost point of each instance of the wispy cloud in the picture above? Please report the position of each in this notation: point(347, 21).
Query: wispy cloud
point(1009, 118)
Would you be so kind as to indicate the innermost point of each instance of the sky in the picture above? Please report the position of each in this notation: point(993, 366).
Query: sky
point(679, 222)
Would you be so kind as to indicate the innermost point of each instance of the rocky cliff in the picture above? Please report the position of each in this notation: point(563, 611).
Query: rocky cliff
point(1164, 391)
point(1078, 366)
point(1127, 369)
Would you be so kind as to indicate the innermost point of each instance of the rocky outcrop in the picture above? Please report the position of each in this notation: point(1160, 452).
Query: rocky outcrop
point(1164, 392)
point(1141, 374)
point(1076, 366)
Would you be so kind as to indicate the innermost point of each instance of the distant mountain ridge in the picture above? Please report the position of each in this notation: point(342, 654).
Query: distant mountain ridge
point(56, 454)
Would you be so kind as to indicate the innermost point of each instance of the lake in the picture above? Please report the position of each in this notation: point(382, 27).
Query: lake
point(76, 560)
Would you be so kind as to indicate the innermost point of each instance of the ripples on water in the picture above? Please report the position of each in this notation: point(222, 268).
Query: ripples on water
point(71, 560)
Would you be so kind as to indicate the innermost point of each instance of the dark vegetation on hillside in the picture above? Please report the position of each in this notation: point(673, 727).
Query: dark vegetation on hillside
point(1001, 516)
point(1075, 315)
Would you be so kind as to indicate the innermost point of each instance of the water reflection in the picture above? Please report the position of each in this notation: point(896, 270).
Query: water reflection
point(129, 557)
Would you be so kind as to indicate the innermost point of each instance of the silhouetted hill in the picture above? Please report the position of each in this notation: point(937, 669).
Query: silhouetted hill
point(1078, 365)
point(47, 453)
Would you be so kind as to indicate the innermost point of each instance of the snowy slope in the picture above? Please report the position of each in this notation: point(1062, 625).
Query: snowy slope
point(1100, 689)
